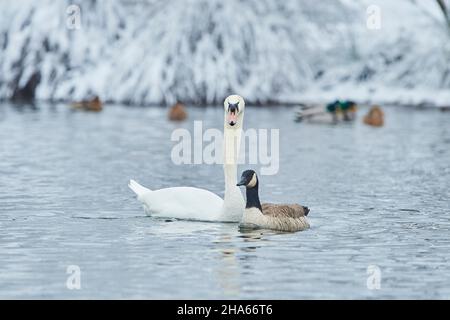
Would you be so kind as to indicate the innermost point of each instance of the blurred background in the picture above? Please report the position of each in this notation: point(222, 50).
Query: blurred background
point(198, 51)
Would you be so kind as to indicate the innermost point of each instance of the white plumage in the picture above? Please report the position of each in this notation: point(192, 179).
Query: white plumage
point(180, 202)
point(199, 204)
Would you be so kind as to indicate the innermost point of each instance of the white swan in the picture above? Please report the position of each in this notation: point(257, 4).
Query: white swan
point(199, 204)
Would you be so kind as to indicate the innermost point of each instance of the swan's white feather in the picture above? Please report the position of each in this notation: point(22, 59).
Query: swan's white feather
point(183, 203)
point(137, 188)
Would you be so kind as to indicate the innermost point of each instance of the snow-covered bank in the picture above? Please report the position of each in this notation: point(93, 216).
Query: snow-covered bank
point(152, 52)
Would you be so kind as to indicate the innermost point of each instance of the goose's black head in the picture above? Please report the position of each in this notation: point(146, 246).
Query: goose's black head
point(249, 179)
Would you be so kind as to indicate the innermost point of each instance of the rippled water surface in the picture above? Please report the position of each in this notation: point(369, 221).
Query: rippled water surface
point(378, 197)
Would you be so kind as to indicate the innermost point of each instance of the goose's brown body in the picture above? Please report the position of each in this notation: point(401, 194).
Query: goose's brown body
point(281, 217)
point(277, 217)
point(293, 211)
point(286, 217)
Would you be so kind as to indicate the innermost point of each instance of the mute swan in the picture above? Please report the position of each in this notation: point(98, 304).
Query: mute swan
point(199, 204)
point(281, 217)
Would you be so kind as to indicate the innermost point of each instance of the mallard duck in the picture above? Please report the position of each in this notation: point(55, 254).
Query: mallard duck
point(330, 113)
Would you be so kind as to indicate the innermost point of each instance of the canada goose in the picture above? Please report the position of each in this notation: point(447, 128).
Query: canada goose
point(95, 104)
point(177, 112)
point(281, 217)
point(200, 204)
point(375, 117)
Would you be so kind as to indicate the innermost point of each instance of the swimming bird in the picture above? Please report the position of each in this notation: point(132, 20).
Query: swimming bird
point(177, 112)
point(375, 117)
point(94, 104)
point(330, 113)
point(281, 217)
point(200, 204)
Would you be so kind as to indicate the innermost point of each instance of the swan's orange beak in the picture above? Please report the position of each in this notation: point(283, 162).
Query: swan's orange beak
point(231, 118)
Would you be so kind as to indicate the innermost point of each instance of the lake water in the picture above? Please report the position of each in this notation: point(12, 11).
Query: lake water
point(379, 200)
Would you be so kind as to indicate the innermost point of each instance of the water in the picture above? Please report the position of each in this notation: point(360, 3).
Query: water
point(378, 197)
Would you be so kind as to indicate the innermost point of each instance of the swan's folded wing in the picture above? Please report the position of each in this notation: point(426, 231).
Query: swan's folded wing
point(283, 210)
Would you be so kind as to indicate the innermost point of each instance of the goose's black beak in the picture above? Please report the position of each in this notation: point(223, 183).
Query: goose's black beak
point(306, 210)
point(243, 182)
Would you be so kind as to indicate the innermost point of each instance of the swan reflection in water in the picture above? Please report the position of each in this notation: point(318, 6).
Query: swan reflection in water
point(236, 254)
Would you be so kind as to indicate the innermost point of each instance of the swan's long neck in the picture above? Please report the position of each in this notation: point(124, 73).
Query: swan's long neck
point(233, 204)
point(230, 172)
point(231, 148)
point(232, 140)
point(253, 198)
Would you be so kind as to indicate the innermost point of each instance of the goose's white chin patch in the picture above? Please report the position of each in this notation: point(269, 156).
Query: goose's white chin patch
point(253, 182)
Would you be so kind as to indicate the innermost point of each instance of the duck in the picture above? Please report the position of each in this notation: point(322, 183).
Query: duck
point(307, 111)
point(94, 104)
point(375, 117)
point(278, 217)
point(330, 113)
point(177, 112)
point(348, 109)
point(190, 203)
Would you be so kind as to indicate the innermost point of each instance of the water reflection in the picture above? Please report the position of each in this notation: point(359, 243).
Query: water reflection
point(228, 272)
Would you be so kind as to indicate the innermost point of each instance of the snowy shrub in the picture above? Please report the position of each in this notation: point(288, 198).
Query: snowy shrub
point(198, 51)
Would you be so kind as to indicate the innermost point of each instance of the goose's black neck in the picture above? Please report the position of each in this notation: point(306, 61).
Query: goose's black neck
point(253, 198)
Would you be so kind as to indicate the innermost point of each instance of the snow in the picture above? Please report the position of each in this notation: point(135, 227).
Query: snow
point(198, 51)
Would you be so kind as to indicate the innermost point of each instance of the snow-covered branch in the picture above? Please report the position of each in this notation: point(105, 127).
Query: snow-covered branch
point(152, 52)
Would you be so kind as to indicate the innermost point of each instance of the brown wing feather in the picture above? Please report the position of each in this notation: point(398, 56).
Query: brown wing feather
point(283, 210)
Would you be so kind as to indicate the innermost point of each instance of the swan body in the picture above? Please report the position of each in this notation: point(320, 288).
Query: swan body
point(180, 202)
point(199, 204)
point(280, 217)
